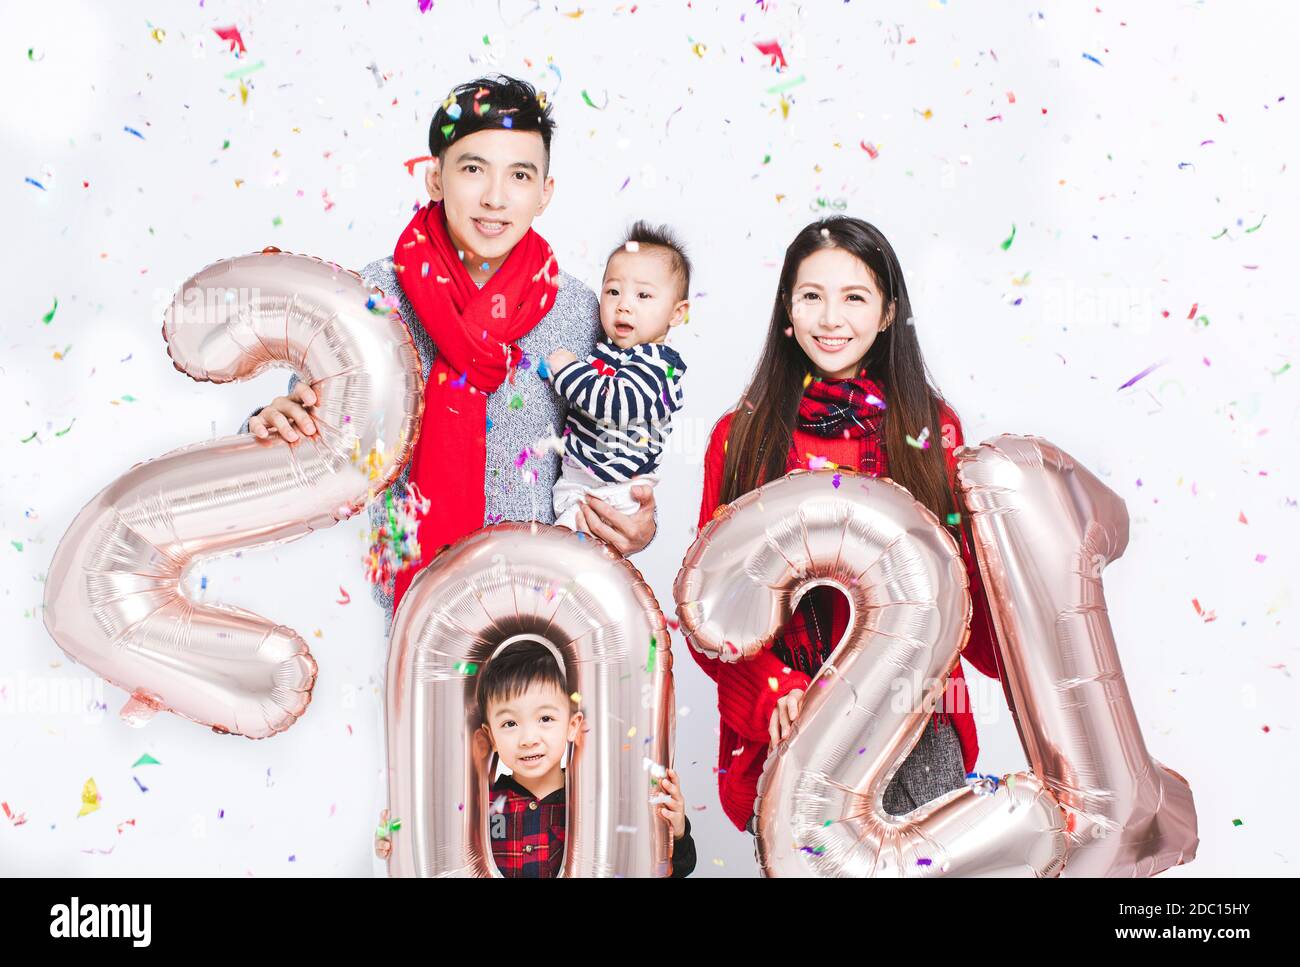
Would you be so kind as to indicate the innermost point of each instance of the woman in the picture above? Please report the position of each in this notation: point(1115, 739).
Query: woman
point(841, 379)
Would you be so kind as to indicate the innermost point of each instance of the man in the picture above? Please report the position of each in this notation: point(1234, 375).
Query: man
point(485, 303)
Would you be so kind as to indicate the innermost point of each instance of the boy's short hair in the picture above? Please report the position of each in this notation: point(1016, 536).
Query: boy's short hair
point(510, 673)
point(659, 236)
point(504, 102)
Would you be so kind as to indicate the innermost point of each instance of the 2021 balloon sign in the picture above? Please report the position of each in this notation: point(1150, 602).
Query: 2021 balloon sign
point(1094, 804)
point(114, 599)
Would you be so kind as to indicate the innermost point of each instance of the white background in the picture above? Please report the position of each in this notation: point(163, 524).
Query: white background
point(1101, 168)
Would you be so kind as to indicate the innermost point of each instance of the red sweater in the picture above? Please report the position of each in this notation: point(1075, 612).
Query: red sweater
point(745, 696)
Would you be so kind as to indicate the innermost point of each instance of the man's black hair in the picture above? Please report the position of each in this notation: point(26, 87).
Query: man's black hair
point(660, 236)
point(510, 673)
point(504, 102)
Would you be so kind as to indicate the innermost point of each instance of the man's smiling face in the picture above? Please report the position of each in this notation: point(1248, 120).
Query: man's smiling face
point(492, 185)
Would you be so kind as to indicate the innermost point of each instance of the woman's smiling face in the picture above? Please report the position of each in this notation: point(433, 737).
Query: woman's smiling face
point(836, 310)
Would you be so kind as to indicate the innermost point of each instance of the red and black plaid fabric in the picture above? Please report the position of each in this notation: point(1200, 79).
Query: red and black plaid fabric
point(847, 408)
point(527, 833)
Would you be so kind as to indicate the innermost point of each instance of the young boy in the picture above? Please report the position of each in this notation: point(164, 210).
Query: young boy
point(526, 711)
point(622, 397)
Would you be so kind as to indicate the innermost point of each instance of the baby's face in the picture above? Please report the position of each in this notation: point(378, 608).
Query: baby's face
point(639, 297)
point(531, 730)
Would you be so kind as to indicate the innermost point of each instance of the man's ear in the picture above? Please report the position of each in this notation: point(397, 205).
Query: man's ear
point(548, 189)
point(433, 180)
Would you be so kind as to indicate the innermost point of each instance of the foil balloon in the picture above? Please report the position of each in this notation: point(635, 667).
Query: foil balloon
point(115, 599)
point(1044, 529)
point(507, 583)
point(820, 805)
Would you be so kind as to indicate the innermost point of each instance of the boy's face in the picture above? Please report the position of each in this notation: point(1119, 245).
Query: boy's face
point(638, 299)
point(530, 730)
point(492, 185)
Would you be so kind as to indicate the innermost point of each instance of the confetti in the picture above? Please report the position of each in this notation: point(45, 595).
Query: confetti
point(131, 130)
point(650, 658)
point(1087, 56)
point(773, 51)
point(346, 598)
point(242, 72)
point(785, 86)
point(33, 181)
point(410, 163)
point(1146, 372)
point(89, 798)
point(1010, 238)
point(145, 760)
point(393, 547)
point(231, 36)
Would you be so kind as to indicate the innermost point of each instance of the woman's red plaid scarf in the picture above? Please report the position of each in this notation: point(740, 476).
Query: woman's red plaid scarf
point(849, 409)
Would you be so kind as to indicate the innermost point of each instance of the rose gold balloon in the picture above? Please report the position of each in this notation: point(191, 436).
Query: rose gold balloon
point(114, 599)
point(1044, 528)
point(820, 809)
point(502, 584)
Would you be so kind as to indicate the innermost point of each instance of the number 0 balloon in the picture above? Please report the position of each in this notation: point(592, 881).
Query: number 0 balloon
point(499, 585)
point(114, 599)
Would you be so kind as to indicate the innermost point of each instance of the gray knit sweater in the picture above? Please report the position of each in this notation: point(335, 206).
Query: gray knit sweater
point(573, 323)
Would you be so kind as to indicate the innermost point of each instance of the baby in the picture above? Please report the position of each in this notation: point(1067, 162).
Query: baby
point(622, 397)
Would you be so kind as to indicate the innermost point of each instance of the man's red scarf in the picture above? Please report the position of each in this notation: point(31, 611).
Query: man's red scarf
point(476, 332)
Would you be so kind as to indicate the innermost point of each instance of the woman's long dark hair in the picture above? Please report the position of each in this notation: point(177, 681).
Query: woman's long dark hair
point(761, 432)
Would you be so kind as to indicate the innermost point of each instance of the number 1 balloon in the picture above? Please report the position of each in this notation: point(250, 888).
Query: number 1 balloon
point(114, 599)
point(1044, 528)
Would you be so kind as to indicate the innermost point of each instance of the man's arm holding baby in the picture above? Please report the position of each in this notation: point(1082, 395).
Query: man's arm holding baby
point(626, 533)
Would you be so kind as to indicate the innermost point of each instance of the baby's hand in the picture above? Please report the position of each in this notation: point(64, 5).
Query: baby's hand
point(559, 359)
point(675, 811)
